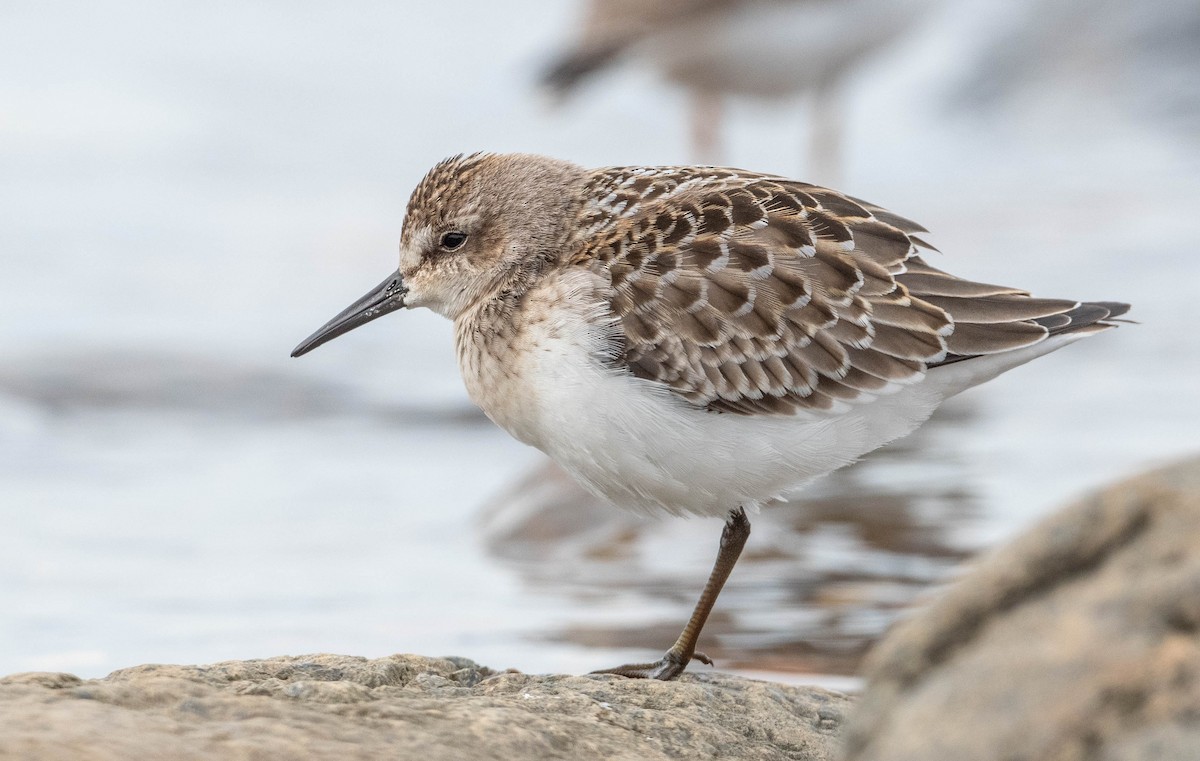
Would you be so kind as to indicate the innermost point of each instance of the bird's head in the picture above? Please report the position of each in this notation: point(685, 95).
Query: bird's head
point(475, 225)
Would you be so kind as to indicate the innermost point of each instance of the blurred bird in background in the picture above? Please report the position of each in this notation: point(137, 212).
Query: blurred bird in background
point(772, 49)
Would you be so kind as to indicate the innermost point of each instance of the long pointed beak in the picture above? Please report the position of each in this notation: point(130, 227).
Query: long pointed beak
point(386, 297)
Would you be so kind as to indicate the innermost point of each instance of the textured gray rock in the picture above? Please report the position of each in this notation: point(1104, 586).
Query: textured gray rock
point(406, 707)
point(1079, 641)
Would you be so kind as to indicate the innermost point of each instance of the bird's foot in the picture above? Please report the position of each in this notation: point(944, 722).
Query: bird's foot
point(665, 668)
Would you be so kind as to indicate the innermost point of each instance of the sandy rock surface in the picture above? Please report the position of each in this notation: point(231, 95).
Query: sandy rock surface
point(1078, 641)
point(406, 707)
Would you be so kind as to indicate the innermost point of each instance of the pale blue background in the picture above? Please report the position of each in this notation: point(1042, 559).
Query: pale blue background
point(186, 190)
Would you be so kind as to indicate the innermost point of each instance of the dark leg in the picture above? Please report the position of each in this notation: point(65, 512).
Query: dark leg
point(706, 110)
point(671, 665)
point(825, 163)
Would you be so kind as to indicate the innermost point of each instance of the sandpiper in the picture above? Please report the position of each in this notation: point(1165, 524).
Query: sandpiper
point(697, 340)
point(768, 49)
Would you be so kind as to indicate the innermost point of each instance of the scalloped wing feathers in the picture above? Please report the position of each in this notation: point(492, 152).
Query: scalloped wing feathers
point(753, 294)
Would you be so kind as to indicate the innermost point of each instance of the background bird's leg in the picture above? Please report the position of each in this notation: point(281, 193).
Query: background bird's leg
point(706, 110)
point(671, 665)
point(825, 134)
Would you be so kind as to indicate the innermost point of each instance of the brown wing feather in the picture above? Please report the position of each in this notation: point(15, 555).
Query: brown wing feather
point(989, 319)
point(753, 294)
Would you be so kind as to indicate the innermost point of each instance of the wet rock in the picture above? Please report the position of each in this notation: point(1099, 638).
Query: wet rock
point(405, 706)
point(1080, 640)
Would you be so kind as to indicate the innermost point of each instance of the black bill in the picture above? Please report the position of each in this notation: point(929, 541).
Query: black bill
point(386, 297)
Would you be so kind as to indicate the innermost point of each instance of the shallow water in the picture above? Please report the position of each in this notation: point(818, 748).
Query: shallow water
point(187, 194)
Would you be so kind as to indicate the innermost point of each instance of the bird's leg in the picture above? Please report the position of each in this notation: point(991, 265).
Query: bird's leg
point(825, 138)
point(706, 110)
point(672, 664)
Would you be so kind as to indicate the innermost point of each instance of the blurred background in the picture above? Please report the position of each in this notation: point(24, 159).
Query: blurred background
point(187, 190)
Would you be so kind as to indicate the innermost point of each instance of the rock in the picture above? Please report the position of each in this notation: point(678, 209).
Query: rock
point(1080, 640)
point(406, 706)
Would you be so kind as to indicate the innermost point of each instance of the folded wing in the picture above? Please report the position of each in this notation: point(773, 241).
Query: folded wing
point(759, 295)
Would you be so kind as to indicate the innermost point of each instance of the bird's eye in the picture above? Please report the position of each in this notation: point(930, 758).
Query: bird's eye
point(453, 240)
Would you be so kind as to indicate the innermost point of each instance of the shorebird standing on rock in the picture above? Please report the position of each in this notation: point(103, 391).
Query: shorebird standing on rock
point(761, 48)
point(694, 340)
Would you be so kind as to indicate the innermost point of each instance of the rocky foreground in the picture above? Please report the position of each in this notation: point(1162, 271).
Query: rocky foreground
point(1080, 640)
point(407, 707)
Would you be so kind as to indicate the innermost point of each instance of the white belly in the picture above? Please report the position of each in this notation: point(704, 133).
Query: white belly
point(646, 449)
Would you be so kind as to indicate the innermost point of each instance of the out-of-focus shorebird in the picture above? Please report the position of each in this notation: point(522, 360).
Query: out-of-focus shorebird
point(692, 340)
point(760, 48)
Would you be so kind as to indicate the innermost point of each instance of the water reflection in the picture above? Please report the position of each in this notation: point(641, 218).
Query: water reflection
point(821, 578)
